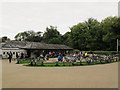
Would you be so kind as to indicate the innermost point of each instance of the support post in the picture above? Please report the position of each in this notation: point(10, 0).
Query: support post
point(117, 45)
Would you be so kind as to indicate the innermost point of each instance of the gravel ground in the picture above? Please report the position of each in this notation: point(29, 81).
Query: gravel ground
point(96, 76)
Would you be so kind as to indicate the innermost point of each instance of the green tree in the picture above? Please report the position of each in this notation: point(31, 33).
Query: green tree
point(2, 39)
point(111, 28)
point(66, 39)
point(52, 35)
point(86, 35)
point(29, 35)
point(93, 35)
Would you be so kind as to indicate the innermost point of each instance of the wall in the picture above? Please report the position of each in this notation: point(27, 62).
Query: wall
point(5, 55)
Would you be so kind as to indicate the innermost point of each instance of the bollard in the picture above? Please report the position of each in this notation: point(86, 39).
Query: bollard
point(43, 58)
point(80, 62)
point(56, 63)
point(101, 62)
point(73, 63)
point(87, 62)
point(107, 61)
point(35, 63)
point(18, 61)
point(63, 64)
point(31, 63)
point(116, 59)
point(41, 63)
point(110, 61)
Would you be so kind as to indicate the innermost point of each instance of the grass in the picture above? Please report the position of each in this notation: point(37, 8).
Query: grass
point(67, 64)
point(27, 61)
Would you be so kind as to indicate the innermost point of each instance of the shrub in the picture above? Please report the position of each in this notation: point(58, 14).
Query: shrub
point(103, 52)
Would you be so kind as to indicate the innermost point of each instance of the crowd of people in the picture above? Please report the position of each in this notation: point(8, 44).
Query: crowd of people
point(61, 57)
point(53, 54)
point(18, 56)
point(81, 56)
point(73, 57)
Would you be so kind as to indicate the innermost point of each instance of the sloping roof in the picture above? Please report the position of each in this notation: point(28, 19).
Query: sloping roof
point(33, 45)
point(14, 44)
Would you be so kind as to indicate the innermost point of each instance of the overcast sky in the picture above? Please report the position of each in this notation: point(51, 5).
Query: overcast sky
point(22, 16)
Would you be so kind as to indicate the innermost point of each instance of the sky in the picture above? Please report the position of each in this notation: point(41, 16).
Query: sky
point(33, 15)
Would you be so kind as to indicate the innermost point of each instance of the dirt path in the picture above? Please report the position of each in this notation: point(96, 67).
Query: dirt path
point(97, 76)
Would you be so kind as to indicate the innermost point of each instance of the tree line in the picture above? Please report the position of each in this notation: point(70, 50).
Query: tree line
point(87, 35)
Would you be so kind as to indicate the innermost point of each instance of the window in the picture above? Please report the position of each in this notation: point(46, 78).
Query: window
point(3, 52)
point(7, 53)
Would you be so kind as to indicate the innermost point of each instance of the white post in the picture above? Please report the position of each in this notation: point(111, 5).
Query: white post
point(117, 45)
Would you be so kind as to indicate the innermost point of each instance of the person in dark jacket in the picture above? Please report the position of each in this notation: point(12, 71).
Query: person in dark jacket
point(17, 56)
point(10, 56)
point(22, 55)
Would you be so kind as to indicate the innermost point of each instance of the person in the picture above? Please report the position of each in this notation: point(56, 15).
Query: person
point(22, 55)
point(17, 56)
point(73, 54)
point(59, 58)
point(43, 55)
point(26, 56)
point(47, 57)
point(81, 53)
point(85, 54)
point(75, 58)
point(38, 58)
point(93, 55)
point(53, 54)
point(10, 56)
point(50, 54)
point(78, 56)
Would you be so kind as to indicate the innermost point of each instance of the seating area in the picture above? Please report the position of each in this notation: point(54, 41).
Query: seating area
point(69, 61)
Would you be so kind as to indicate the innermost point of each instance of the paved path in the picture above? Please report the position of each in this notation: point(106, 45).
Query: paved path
point(0, 73)
point(96, 76)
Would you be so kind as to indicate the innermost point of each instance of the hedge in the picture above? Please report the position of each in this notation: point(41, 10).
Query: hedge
point(103, 52)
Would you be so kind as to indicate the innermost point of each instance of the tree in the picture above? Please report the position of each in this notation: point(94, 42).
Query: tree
point(66, 39)
point(77, 36)
point(52, 35)
point(29, 35)
point(111, 28)
point(54, 41)
point(88, 35)
point(2, 39)
point(93, 35)
point(85, 36)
